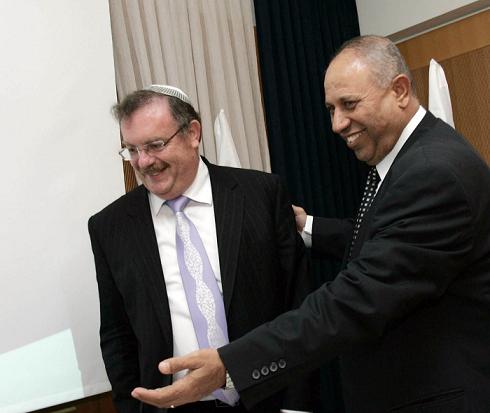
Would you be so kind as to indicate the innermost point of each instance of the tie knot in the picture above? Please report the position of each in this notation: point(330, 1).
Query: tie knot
point(178, 204)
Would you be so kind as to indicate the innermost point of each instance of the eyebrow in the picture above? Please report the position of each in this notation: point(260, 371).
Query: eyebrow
point(350, 97)
point(344, 98)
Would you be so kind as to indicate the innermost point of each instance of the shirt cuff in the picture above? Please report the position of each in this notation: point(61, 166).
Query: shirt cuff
point(306, 233)
point(292, 411)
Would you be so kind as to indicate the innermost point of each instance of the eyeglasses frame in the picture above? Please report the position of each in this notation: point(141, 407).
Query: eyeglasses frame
point(144, 147)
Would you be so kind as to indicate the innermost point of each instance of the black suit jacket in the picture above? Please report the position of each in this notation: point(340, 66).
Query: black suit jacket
point(263, 270)
point(410, 313)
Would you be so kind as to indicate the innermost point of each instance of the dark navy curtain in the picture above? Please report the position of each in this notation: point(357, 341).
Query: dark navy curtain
point(296, 40)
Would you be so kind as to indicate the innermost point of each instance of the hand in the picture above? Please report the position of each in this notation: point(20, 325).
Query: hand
point(300, 216)
point(206, 374)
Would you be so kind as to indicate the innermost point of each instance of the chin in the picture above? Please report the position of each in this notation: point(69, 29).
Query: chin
point(155, 188)
point(361, 157)
point(365, 157)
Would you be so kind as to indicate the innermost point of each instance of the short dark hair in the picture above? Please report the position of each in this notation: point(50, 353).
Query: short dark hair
point(181, 111)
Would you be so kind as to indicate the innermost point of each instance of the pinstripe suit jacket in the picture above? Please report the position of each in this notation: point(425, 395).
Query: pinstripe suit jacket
point(263, 270)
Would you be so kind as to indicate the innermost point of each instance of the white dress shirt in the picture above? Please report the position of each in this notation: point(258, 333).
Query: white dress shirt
point(382, 167)
point(200, 211)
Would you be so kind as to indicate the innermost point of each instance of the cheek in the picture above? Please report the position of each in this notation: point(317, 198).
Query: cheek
point(134, 165)
point(385, 112)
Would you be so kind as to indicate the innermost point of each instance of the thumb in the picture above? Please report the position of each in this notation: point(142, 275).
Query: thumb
point(298, 210)
point(176, 364)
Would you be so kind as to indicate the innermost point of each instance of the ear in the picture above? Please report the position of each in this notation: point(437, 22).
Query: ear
point(194, 133)
point(402, 90)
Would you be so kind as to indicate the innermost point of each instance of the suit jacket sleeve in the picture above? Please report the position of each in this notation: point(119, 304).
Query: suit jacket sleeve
point(118, 342)
point(420, 237)
point(301, 394)
point(330, 237)
point(292, 251)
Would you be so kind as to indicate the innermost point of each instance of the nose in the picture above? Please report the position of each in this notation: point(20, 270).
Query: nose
point(144, 160)
point(340, 122)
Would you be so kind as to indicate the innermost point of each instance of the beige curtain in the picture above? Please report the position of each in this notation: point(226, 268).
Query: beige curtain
point(206, 48)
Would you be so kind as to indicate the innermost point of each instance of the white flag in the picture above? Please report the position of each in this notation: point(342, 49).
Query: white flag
point(225, 148)
point(439, 98)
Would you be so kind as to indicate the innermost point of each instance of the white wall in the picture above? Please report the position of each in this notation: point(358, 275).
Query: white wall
point(385, 17)
point(59, 166)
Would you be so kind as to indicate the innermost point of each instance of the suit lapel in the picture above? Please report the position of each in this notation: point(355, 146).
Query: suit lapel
point(425, 124)
point(148, 258)
point(228, 204)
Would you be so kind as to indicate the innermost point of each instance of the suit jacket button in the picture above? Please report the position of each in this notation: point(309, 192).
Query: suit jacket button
point(264, 370)
point(282, 363)
point(256, 374)
point(273, 367)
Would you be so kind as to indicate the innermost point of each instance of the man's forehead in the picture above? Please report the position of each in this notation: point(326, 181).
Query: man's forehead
point(155, 108)
point(346, 64)
point(339, 84)
point(346, 77)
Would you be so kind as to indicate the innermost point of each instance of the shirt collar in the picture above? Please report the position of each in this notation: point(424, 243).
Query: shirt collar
point(385, 164)
point(199, 191)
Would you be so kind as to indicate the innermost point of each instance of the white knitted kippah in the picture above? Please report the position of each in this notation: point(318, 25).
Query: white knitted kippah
point(169, 91)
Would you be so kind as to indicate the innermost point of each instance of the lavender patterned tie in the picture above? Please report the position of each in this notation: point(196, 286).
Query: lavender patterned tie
point(201, 289)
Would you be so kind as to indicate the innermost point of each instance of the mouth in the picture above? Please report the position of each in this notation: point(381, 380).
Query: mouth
point(154, 171)
point(352, 138)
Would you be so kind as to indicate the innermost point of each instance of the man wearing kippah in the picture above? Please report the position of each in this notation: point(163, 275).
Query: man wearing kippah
point(195, 257)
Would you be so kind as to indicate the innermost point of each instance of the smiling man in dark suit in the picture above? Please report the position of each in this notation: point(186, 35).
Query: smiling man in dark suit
point(409, 313)
point(174, 280)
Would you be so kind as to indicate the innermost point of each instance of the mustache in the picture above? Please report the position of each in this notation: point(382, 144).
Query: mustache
point(152, 169)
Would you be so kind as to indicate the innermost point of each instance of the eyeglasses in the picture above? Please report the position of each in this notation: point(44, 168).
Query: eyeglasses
point(131, 153)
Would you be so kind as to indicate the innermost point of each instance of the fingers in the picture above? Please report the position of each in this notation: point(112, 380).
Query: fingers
point(298, 210)
point(175, 395)
point(152, 397)
point(180, 392)
point(300, 216)
point(206, 373)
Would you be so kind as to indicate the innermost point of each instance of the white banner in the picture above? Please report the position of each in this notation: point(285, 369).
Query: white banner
point(225, 147)
point(439, 97)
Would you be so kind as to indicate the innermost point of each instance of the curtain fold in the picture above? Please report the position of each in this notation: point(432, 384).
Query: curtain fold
point(204, 47)
point(296, 40)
